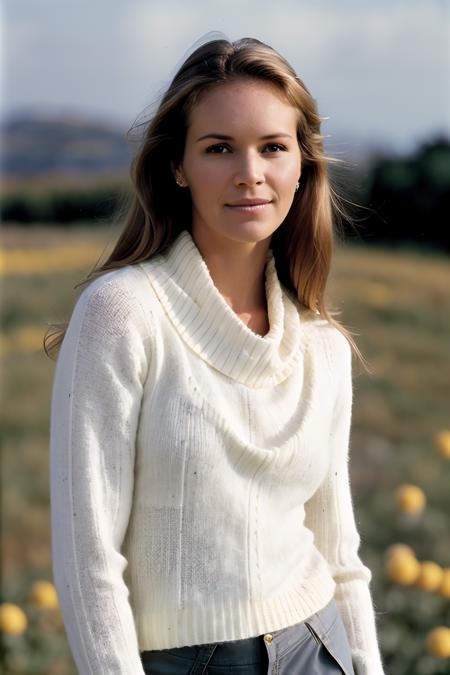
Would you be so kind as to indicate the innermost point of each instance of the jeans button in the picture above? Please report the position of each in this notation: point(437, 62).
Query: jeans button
point(268, 637)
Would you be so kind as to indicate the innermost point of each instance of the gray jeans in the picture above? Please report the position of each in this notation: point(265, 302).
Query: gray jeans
point(316, 646)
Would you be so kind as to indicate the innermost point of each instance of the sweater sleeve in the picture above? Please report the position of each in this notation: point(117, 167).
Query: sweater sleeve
point(96, 397)
point(330, 516)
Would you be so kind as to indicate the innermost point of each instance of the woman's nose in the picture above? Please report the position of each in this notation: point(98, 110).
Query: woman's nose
point(250, 170)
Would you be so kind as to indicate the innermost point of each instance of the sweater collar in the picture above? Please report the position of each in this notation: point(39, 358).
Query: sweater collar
point(205, 321)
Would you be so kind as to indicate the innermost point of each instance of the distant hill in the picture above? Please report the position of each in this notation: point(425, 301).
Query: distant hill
point(69, 147)
point(65, 146)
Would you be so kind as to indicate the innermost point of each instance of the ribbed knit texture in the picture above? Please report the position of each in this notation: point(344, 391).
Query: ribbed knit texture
point(199, 472)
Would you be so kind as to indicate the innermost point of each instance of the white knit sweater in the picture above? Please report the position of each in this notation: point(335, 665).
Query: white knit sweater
point(199, 471)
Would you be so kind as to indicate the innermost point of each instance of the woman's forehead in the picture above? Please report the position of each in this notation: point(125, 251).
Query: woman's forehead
point(230, 103)
point(241, 87)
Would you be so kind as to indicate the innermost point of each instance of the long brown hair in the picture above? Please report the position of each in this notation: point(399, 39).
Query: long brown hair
point(158, 210)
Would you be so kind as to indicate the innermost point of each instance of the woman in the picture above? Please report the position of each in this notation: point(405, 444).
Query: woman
point(202, 517)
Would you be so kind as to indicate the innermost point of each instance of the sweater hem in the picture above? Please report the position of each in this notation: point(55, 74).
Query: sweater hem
point(226, 620)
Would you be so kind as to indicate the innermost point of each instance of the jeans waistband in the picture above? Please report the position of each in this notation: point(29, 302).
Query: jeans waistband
point(251, 650)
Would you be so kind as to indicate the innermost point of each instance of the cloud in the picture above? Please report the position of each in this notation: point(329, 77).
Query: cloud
point(370, 65)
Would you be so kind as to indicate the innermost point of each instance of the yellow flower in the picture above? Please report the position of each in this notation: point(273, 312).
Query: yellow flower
point(442, 441)
point(13, 620)
point(444, 587)
point(43, 594)
point(410, 498)
point(438, 642)
point(402, 567)
point(430, 576)
point(399, 548)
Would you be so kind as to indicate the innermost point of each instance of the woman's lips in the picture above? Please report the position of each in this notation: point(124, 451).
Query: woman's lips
point(249, 208)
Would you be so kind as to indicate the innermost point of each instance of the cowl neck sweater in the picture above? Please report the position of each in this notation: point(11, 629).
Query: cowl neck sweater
point(214, 331)
point(200, 486)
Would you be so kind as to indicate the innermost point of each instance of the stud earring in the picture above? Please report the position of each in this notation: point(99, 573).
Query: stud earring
point(179, 182)
point(297, 186)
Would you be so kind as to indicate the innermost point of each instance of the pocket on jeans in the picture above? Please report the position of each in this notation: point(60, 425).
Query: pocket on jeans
point(168, 661)
point(334, 640)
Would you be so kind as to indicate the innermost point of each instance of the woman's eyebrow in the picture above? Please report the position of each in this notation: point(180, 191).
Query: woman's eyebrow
point(224, 137)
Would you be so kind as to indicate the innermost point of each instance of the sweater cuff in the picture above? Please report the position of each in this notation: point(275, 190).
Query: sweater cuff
point(354, 599)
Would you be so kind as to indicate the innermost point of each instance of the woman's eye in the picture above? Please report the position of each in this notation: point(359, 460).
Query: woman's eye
point(276, 145)
point(216, 149)
point(213, 148)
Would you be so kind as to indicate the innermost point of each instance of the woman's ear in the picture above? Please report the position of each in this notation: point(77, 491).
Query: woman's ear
point(178, 175)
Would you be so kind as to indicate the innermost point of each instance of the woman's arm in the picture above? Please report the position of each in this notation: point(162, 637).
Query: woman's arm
point(330, 516)
point(97, 390)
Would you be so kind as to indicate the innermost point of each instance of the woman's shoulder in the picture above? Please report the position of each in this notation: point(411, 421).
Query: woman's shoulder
point(325, 337)
point(129, 280)
point(337, 340)
point(115, 297)
point(321, 325)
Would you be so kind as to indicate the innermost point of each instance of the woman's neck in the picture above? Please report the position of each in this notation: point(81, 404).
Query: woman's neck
point(238, 272)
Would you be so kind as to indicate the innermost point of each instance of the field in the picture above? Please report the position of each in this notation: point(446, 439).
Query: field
point(397, 305)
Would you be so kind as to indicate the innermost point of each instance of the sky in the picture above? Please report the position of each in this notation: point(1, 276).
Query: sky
point(378, 69)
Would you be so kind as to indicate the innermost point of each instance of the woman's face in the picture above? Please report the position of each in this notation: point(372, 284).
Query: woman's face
point(251, 153)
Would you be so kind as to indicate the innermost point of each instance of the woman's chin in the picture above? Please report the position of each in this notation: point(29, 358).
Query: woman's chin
point(248, 232)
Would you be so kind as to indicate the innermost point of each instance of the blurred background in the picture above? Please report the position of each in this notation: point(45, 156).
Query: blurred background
point(75, 79)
